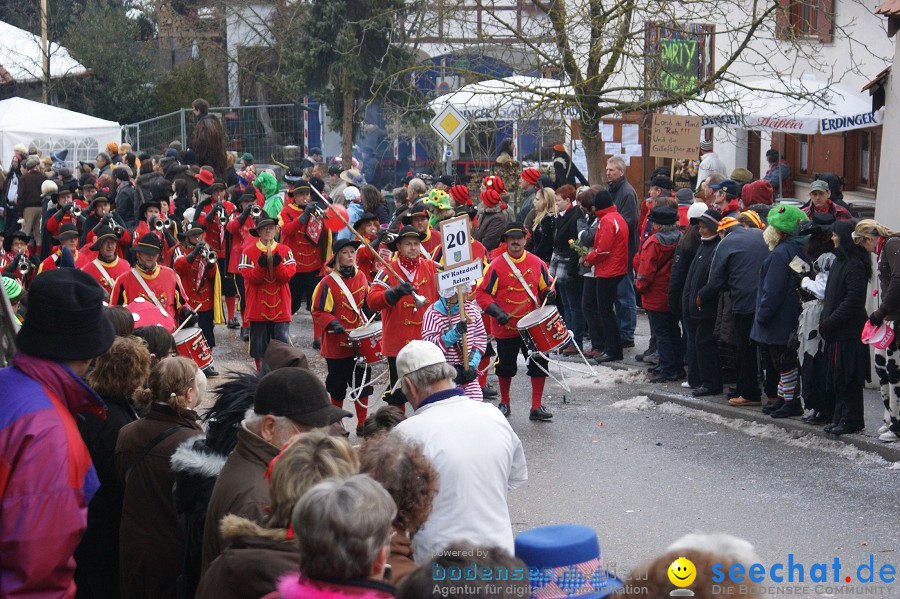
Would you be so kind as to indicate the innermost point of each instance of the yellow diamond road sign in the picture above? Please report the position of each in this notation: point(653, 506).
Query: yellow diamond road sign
point(449, 123)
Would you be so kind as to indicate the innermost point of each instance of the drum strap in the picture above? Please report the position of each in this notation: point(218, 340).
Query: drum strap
point(104, 273)
point(337, 279)
point(519, 276)
point(147, 290)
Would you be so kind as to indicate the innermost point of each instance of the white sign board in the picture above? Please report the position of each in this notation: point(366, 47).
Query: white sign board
point(456, 242)
point(449, 123)
point(460, 275)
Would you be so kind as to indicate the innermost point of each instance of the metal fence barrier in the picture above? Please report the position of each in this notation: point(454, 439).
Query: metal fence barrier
point(263, 130)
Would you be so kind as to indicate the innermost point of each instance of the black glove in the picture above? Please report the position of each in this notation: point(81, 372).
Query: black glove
point(549, 295)
point(170, 239)
point(497, 312)
point(276, 259)
point(187, 315)
point(67, 208)
point(394, 398)
point(336, 327)
point(194, 253)
point(393, 295)
point(461, 328)
point(463, 376)
point(876, 319)
point(379, 239)
point(312, 209)
point(263, 260)
point(242, 218)
point(59, 214)
point(152, 223)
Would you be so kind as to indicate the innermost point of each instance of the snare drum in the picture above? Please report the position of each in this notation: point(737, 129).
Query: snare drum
point(544, 329)
point(366, 342)
point(191, 344)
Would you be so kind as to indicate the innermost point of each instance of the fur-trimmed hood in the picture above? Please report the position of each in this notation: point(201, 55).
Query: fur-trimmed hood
point(233, 526)
point(193, 458)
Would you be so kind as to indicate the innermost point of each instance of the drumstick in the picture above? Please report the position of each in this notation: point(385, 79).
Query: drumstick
point(548, 295)
point(184, 322)
point(269, 260)
point(462, 318)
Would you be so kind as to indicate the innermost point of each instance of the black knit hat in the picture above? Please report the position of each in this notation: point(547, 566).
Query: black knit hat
point(66, 319)
point(602, 199)
point(663, 215)
point(711, 218)
point(298, 394)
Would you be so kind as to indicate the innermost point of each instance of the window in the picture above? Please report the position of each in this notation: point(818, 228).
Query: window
point(810, 19)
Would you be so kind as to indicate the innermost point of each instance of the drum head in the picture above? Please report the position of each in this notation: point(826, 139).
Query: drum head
point(537, 316)
point(369, 330)
point(185, 334)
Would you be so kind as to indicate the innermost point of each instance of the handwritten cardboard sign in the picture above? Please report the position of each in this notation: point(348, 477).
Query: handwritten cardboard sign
point(675, 136)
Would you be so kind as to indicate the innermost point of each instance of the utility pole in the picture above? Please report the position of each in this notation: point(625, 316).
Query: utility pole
point(45, 55)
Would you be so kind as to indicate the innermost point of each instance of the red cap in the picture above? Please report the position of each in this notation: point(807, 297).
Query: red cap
point(460, 195)
point(531, 175)
point(494, 182)
point(491, 198)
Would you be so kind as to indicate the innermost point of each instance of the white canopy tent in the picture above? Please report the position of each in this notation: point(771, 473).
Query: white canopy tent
point(510, 99)
point(823, 108)
point(52, 129)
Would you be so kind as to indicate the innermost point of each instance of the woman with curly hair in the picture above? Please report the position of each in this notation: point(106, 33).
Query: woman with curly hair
point(412, 482)
point(374, 203)
point(258, 554)
point(117, 374)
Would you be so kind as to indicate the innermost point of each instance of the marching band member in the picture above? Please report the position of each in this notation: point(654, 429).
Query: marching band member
point(100, 218)
point(368, 226)
point(65, 212)
point(338, 302)
point(151, 281)
point(16, 248)
point(401, 317)
point(302, 231)
point(239, 230)
point(198, 269)
point(215, 212)
point(267, 266)
point(67, 238)
point(442, 325)
point(107, 265)
point(516, 283)
point(418, 218)
point(150, 220)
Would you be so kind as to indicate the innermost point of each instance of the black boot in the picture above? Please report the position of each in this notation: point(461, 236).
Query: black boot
point(773, 406)
point(790, 408)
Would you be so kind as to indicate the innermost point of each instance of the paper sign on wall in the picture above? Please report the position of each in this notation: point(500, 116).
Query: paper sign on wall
point(674, 136)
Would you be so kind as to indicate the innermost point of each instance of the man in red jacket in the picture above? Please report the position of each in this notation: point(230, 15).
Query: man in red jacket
point(67, 238)
point(515, 284)
point(401, 316)
point(652, 282)
point(338, 309)
point(157, 284)
point(267, 266)
point(108, 265)
point(302, 232)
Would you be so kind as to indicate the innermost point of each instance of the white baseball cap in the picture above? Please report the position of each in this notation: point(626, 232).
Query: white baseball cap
point(697, 210)
point(416, 355)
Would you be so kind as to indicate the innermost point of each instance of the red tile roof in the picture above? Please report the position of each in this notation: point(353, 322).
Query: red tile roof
point(889, 8)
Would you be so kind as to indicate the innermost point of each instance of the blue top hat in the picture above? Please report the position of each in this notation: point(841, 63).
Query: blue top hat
point(564, 561)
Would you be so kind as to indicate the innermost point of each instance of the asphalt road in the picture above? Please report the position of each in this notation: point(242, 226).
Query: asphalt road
point(642, 474)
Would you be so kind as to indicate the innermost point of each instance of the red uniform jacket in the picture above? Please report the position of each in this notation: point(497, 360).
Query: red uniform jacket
point(501, 285)
point(330, 303)
point(113, 270)
point(293, 234)
point(432, 241)
point(163, 282)
point(240, 238)
point(402, 322)
point(609, 256)
point(215, 233)
point(654, 271)
point(366, 262)
point(49, 262)
point(268, 298)
point(54, 225)
point(204, 295)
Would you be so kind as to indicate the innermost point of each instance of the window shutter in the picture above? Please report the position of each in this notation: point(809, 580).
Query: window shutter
point(783, 20)
point(825, 21)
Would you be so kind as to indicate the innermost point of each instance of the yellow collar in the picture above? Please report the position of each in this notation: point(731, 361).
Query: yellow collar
point(519, 259)
point(149, 277)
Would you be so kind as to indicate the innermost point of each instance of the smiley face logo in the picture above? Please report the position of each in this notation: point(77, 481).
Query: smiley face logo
point(682, 572)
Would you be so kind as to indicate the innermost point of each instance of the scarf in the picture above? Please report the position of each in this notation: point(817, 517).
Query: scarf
point(409, 264)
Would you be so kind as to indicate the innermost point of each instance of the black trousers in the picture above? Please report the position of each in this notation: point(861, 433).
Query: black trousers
point(607, 292)
point(747, 362)
point(508, 352)
point(707, 353)
point(205, 322)
point(395, 398)
point(302, 285)
point(229, 288)
point(591, 314)
point(343, 373)
point(261, 332)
